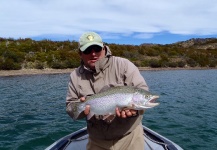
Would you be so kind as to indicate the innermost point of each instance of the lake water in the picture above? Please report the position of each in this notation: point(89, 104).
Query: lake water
point(32, 109)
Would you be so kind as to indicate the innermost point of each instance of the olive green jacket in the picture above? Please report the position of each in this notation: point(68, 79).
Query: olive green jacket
point(110, 70)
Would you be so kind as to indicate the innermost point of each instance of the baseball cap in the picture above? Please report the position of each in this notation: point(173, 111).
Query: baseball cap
point(89, 38)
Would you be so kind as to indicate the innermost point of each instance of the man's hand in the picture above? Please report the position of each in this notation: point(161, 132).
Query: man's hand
point(126, 113)
point(87, 108)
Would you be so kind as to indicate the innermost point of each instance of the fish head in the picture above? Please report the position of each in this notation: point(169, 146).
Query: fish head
point(143, 100)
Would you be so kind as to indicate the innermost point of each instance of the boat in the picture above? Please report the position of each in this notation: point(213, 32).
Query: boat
point(78, 140)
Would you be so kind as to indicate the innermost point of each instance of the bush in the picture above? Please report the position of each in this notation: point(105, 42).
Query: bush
point(9, 64)
point(58, 65)
point(213, 64)
point(39, 65)
point(152, 52)
point(144, 63)
point(172, 64)
point(181, 64)
point(191, 62)
point(154, 63)
point(71, 63)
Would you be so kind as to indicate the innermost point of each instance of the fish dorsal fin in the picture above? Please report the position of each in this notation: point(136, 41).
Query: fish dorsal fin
point(106, 87)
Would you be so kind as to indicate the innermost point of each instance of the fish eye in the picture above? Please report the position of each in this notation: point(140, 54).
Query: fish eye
point(147, 96)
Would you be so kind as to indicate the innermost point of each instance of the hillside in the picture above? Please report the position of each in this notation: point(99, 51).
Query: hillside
point(30, 54)
point(208, 43)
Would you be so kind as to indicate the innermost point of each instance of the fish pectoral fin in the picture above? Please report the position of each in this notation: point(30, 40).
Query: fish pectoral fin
point(108, 118)
point(90, 115)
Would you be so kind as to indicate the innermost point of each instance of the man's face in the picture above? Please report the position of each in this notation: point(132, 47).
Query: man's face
point(91, 55)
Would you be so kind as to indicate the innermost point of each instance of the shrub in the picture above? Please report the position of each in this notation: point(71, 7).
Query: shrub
point(154, 63)
point(181, 64)
point(9, 64)
point(144, 63)
point(39, 65)
point(58, 65)
point(172, 64)
point(213, 64)
point(191, 62)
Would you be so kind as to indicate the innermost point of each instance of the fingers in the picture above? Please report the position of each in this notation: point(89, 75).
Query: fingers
point(118, 112)
point(134, 112)
point(82, 99)
point(123, 114)
point(126, 113)
point(87, 110)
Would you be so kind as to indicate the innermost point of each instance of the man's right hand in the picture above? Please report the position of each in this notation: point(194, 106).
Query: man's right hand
point(87, 108)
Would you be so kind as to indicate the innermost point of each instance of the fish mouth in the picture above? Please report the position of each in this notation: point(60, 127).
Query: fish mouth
point(152, 101)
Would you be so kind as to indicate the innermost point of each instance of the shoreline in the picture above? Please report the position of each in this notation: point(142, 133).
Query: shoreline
point(4, 73)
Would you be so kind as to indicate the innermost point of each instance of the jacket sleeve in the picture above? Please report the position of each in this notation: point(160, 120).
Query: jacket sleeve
point(72, 98)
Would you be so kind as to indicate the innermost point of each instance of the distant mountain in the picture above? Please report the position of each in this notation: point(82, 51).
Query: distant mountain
point(194, 43)
point(199, 43)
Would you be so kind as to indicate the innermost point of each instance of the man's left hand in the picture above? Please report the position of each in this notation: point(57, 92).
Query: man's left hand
point(126, 113)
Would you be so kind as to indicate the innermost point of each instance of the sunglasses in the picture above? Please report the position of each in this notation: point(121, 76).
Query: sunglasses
point(94, 47)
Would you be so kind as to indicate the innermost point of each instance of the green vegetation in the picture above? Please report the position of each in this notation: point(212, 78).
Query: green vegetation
point(30, 54)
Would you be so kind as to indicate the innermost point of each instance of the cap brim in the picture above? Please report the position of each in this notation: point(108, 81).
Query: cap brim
point(84, 47)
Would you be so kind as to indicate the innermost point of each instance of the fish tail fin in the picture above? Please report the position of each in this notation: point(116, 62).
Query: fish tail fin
point(78, 108)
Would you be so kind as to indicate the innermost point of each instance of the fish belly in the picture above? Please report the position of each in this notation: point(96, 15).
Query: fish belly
point(107, 105)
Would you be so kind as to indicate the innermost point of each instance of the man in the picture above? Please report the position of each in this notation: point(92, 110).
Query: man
point(99, 69)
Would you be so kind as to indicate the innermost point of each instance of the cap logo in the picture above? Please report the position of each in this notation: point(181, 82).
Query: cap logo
point(90, 37)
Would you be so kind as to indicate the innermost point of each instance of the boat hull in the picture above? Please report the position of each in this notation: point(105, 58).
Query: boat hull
point(78, 140)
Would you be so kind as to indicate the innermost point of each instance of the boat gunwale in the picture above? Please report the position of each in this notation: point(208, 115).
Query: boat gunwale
point(82, 135)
